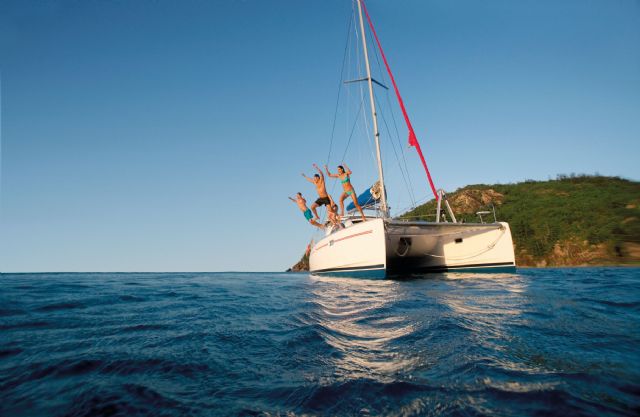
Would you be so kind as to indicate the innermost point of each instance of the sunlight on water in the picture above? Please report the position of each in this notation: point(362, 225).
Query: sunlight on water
point(477, 276)
point(350, 314)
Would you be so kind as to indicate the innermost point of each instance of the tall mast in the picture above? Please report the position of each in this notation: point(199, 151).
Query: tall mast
point(383, 198)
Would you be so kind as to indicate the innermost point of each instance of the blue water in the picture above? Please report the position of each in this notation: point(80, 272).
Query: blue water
point(562, 342)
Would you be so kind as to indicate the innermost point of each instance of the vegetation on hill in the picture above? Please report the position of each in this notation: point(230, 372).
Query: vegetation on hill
point(572, 220)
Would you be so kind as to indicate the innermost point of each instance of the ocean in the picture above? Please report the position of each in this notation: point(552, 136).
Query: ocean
point(552, 342)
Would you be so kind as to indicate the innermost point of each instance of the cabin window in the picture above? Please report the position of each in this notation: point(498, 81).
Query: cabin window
point(459, 240)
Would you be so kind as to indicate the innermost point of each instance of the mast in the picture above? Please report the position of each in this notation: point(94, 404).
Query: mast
point(383, 197)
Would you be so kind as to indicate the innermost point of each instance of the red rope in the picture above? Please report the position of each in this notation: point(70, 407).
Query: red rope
point(413, 140)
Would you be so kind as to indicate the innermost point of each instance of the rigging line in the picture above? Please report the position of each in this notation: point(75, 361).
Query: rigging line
point(369, 128)
point(393, 146)
point(404, 160)
point(365, 127)
point(395, 126)
point(419, 201)
point(404, 177)
point(352, 131)
point(353, 128)
point(405, 210)
point(424, 199)
point(346, 53)
point(413, 139)
point(352, 33)
point(383, 76)
point(335, 113)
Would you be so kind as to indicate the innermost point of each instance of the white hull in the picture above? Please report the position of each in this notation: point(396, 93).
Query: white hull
point(356, 250)
point(380, 248)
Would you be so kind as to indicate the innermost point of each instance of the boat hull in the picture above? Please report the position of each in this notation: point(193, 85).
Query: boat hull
point(384, 248)
point(358, 251)
point(435, 247)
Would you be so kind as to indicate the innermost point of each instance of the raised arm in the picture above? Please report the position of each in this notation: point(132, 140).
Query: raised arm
point(319, 171)
point(291, 199)
point(346, 169)
point(330, 174)
point(307, 178)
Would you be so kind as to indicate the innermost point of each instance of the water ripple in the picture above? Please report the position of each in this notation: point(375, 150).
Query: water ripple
point(539, 342)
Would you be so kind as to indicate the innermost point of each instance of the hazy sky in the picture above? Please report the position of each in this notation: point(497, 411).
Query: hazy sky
point(166, 135)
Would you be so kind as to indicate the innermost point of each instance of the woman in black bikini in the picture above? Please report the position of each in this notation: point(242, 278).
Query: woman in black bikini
point(345, 179)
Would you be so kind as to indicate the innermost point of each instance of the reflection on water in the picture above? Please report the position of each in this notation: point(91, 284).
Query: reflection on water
point(381, 330)
point(494, 297)
point(488, 309)
point(358, 321)
point(480, 276)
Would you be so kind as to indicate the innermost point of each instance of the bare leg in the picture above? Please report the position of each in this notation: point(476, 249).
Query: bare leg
point(330, 206)
point(313, 209)
point(355, 203)
point(342, 197)
point(316, 224)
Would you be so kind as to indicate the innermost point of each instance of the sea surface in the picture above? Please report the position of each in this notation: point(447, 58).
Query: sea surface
point(562, 342)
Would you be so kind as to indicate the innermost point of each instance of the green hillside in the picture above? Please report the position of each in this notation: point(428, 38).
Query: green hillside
point(573, 220)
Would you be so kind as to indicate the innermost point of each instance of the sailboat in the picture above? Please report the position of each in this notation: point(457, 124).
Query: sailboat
point(383, 246)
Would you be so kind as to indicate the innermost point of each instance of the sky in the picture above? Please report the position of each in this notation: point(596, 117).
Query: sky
point(166, 135)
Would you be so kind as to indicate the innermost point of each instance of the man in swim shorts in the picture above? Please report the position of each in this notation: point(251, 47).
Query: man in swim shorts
point(302, 205)
point(324, 199)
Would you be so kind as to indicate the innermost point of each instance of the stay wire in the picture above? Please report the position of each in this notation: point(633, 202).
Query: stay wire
point(393, 146)
point(340, 82)
point(347, 55)
point(395, 125)
point(367, 127)
point(335, 113)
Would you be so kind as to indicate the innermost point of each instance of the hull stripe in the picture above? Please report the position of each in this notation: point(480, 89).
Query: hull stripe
point(343, 238)
point(351, 268)
point(357, 234)
point(451, 268)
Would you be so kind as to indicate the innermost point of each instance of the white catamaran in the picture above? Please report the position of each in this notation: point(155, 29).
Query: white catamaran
point(382, 246)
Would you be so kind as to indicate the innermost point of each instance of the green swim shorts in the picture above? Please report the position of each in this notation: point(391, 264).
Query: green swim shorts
point(308, 215)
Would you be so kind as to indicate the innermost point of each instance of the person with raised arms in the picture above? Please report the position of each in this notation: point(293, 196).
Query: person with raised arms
point(302, 205)
point(324, 199)
point(348, 190)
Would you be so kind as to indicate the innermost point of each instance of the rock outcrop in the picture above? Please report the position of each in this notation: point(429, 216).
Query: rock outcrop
point(472, 200)
point(302, 265)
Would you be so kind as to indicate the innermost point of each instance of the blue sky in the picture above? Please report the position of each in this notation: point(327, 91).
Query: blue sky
point(166, 135)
